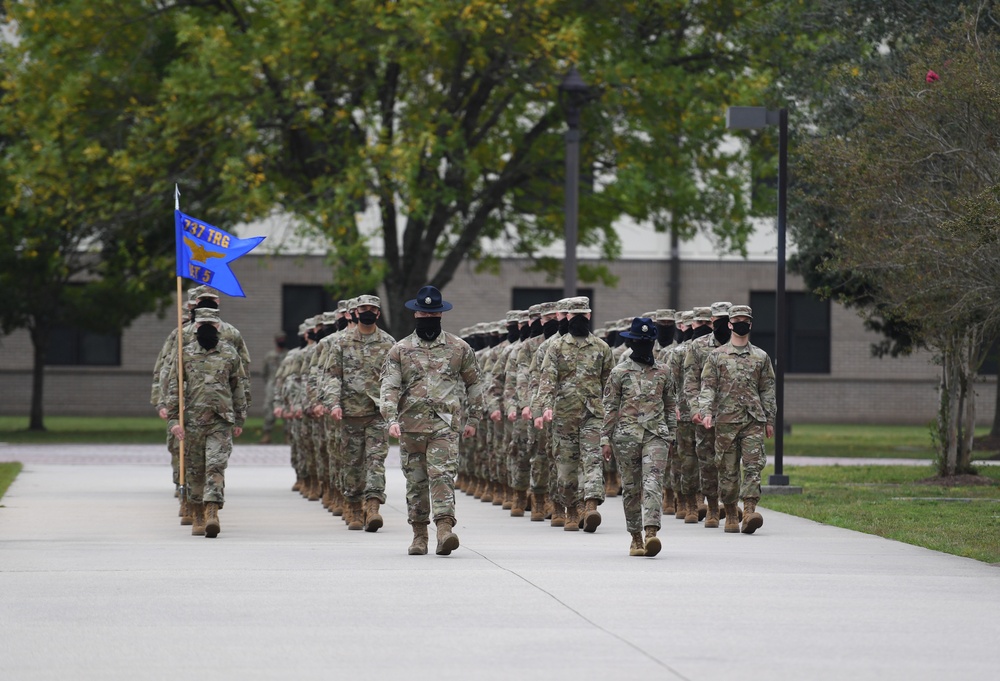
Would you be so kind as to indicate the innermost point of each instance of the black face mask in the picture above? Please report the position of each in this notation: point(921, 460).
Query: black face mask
point(208, 336)
point(563, 326)
point(642, 351)
point(536, 328)
point(326, 331)
point(721, 331)
point(312, 335)
point(368, 317)
point(354, 317)
point(495, 340)
point(702, 330)
point(551, 328)
point(428, 328)
point(302, 341)
point(513, 332)
point(664, 334)
point(524, 332)
point(612, 339)
point(679, 335)
point(342, 323)
point(741, 328)
point(280, 344)
point(579, 326)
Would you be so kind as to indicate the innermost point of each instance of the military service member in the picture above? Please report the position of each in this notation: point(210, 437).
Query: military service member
point(737, 400)
point(638, 410)
point(430, 394)
point(272, 361)
point(215, 408)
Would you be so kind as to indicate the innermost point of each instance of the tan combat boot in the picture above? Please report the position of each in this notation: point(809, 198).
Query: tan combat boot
point(357, 519)
point(550, 507)
point(325, 499)
point(609, 484)
point(691, 508)
point(652, 542)
point(314, 490)
point(487, 496)
point(558, 515)
point(418, 547)
point(681, 513)
point(212, 525)
point(478, 488)
point(538, 508)
point(712, 519)
point(198, 518)
point(572, 518)
point(732, 520)
point(751, 519)
point(447, 540)
point(297, 487)
point(373, 521)
point(669, 505)
point(187, 515)
point(337, 503)
point(499, 494)
point(591, 516)
point(508, 498)
point(636, 548)
point(702, 506)
point(520, 501)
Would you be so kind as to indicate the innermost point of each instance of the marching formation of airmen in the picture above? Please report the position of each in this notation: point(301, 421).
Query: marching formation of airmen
point(534, 413)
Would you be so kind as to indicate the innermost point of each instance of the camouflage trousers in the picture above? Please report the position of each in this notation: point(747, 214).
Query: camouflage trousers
point(307, 446)
point(641, 464)
point(541, 461)
point(579, 463)
point(430, 461)
point(519, 455)
point(333, 450)
point(206, 454)
point(737, 443)
point(672, 471)
point(690, 483)
point(321, 434)
point(705, 448)
point(269, 417)
point(298, 458)
point(366, 445)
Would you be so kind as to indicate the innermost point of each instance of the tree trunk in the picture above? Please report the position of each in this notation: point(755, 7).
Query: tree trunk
point(947, 423)
point(970, 363)
point(995, 429)
point(40, 343)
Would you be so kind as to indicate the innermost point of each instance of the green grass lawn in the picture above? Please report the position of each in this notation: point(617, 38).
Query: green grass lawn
point(890, 501)
point(8, 471)
point(863, 441)
point(111, 430)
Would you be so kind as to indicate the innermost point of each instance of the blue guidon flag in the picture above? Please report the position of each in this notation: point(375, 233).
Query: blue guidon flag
point(204, 253)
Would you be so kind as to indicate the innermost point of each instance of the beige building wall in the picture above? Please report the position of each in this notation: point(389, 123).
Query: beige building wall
point(860, 388)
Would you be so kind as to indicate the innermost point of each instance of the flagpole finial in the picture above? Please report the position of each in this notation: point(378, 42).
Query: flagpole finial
point(177, 197)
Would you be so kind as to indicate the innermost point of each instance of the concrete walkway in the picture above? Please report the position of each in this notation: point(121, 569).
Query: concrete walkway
point(99, 581)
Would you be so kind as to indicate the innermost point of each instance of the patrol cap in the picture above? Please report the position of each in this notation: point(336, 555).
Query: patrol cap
point(500, 326)
point(302, 329)
point(524, 317)
point(578, 305)
point(721, 309)
point(310, 322)
point(352, 304)
point(665, 315)
point(640, 328)
point(368, 299)
point(546, 308)
point(740, 311)
point(650, 315)
point(329, 317)
point(341, 306)
point(687, 316)
point(512, 316)
point(624, 324)
point(207, 314)
point(199, 292)
point(535, 311)
point(563, 304)
point(702, 314)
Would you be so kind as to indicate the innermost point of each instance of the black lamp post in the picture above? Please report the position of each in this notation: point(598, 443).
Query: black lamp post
point(753, 118)
point(573, 94)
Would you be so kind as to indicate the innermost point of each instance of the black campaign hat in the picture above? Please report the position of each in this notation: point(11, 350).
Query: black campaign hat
point(642, 329)
point(428, 300)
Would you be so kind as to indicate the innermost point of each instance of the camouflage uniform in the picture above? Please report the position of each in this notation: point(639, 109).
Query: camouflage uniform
point(214, 402)
point(738, 391)
point(638, 412)
point(272, 361)
point(422, 390)
point(354, 364)
point(690, 480)
point(571, 384)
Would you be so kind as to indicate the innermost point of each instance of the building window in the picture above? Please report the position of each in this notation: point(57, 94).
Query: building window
point(69, 346)
point(299, 302)
point(808, 329)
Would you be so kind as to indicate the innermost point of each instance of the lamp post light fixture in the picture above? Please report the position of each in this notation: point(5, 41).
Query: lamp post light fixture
point(754, 118)
point(573, 95)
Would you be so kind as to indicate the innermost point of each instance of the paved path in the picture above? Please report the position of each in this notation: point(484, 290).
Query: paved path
point(99, 581)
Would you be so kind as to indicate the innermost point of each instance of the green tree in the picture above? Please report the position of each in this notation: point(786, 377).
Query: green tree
point(913, 190)
point(83, 241)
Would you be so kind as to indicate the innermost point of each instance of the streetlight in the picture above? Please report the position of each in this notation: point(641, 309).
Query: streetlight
point(573, 94)
point(754, 118)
